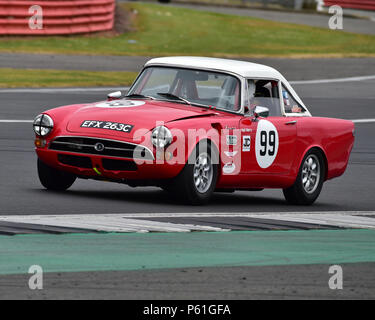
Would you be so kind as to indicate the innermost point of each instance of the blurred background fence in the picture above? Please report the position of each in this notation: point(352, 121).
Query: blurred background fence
point(59, 17)
point(19, 17)
point(352, 4)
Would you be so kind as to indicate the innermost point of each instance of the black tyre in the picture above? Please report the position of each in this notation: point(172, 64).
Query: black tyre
point(197, 181)
point(309, 182)
point(167, 187)
point(54, 179)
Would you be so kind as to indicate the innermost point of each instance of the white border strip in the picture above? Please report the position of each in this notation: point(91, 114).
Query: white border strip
point(363, 120)
point(362, 78)
point(113, 223)
point(16, 121)
point(133, 223)
point(190, 214)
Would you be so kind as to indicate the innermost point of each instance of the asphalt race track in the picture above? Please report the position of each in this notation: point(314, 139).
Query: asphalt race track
point(22, 194)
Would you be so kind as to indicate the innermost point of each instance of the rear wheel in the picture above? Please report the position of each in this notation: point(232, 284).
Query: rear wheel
point(197, 181)
point(309, 182)
point(54, 179)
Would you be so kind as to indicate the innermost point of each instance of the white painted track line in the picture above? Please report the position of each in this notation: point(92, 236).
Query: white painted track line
point(108, 223)
point(349, 79)
point(130, 223)
point(188, 214)
point(62, 90)
point(364, 120)
point(16, 121)
point(345, 221)
point(238, 214)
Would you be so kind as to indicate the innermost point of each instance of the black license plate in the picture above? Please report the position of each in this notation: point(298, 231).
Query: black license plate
point(108, 125)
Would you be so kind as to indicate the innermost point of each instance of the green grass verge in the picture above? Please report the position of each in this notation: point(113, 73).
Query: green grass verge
point(162, 30)
point(12, 78)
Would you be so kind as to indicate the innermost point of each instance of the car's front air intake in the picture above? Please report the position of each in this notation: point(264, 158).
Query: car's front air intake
point(75, 161)
point(101, 147)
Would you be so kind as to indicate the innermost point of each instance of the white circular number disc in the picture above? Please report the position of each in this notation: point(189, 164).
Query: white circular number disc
point(266, 143)
point(120, 104)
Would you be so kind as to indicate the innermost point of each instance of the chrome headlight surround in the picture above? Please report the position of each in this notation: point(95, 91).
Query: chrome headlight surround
point(161, 137)
point(43, 125)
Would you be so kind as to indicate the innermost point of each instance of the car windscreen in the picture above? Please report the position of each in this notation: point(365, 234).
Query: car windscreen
point(199, 87)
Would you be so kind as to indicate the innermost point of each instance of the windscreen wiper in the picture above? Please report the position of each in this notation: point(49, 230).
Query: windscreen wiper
point(140, 96)
point(173, 96)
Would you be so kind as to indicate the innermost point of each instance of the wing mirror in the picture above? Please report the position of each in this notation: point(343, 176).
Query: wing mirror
point(261, 112)
point(114, 96)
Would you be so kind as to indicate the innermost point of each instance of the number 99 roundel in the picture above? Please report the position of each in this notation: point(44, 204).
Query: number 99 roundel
point(266, 143)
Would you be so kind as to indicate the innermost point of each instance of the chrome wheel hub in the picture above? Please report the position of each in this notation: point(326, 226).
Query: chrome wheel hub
point(203, 173)
point(311, 173)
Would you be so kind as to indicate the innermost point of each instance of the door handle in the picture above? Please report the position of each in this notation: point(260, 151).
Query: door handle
point(290, 122)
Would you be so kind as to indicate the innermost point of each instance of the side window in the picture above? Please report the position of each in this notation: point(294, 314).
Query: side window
point(264, 93)
point(290, 104)
point(220, 90)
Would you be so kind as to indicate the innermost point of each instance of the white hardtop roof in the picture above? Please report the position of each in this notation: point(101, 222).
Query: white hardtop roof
point(242, 68)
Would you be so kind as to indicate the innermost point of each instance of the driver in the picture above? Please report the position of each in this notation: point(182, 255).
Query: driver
point(258, 95)
point(287, 105)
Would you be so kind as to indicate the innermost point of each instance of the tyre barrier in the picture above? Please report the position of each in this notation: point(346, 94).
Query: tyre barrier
point(30, 17)
point(352, 4)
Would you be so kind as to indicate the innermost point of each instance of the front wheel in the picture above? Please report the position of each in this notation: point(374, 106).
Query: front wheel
point(309, 182)
point(197, 181)
point(54, 179)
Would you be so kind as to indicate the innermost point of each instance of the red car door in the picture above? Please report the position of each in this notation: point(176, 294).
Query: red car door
point(268, 145)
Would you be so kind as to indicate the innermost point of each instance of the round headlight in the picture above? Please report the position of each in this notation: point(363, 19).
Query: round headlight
point(43, 125)
point(161, 137)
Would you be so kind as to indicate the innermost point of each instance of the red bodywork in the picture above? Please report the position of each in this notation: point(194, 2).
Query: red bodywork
point(297, 135)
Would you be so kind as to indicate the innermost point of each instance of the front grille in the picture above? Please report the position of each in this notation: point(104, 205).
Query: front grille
point(75, 161)
point(101, 147)
point(119, 165)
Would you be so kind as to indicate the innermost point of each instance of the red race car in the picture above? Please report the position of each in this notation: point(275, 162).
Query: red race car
point(193, 126)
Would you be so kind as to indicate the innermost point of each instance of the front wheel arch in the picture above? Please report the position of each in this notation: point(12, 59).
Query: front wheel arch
point(183, 185)
point(209, 142)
